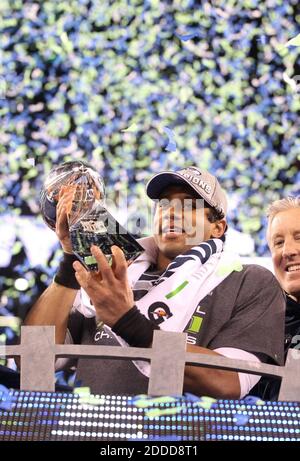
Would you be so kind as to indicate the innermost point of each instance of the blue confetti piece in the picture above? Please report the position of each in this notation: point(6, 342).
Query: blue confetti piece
point(9, 333)
point(171, 147)
point(187, 37)
point(60, 378)
point(240, 419)
point(6, 405)
point(253, 400)
point(262, 39)
point(6, 399)
point(192, 397)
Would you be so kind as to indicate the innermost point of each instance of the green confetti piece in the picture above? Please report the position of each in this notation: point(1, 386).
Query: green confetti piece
point(157, 412)
point(229, 267)
point(82, 390)
point(142, 404)
point(206, 402)
point(86, 398)
point(206, 398)
point(32, 173)
point(17, 248)
point(294, 41)
point(67, 44)
point(11, 322)
point(131, 129)
point(142, 396)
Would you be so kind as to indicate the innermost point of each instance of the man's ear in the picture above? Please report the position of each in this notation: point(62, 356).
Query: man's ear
point(218, 228)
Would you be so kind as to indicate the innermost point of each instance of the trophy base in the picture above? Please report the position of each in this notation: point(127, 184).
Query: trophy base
point(100, 228)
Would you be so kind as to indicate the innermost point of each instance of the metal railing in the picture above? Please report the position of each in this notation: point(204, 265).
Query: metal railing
point(38, 352)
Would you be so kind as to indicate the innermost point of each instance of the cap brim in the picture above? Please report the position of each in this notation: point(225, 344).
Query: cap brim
point(163, 180)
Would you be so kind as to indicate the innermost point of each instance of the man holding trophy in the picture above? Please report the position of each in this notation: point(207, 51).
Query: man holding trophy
point(111, 289)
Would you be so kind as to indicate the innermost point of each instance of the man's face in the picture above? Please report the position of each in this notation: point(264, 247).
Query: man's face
point(284, 242)
point(180, 223)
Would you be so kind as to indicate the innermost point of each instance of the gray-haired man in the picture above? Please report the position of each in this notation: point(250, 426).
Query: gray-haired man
point(283, 236)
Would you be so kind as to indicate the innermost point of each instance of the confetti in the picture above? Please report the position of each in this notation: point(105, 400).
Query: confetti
point(12, 322)
point(229, 267)
point(131, 129)
point(252, 400)
point(86, 398)
point(262, 39)
point(240, 419)
point(206, 402)
point(31, 161)
point(294, 41)
point(146, 401)
point(187, 37)
point(80, 80)
point(6, 399)
point(172, 143)
point(157, 412)
point(192, 397)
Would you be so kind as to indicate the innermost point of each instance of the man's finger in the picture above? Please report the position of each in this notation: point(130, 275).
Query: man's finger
point(62, 221)
point(67, 201)
point(120, 263)
point(81, 274)
point(65, 193)
point(103, 266)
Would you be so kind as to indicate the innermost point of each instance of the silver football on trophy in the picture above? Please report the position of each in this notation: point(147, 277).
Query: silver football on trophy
point(82, 180)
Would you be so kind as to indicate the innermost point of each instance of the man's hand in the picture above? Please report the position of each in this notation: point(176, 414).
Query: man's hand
point(108, 288)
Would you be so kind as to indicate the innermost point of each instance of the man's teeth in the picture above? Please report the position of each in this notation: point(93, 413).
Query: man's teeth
point(293, 268)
